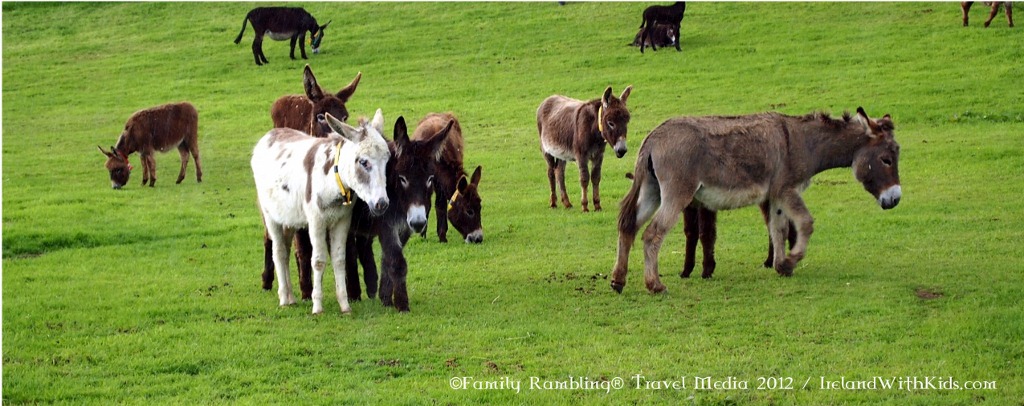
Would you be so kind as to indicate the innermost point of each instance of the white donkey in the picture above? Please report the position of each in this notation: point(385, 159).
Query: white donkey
point(304, 182)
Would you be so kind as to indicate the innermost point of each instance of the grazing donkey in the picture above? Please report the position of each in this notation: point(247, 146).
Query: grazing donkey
point(158, 128)
point(457, 198)
point(654, 15)
point(1008, 5)
point(663, 35)
point(282, 23)
point(410, 178)
point(307, 182)
point(305, 113)
point(731, 162)
point(575, 130)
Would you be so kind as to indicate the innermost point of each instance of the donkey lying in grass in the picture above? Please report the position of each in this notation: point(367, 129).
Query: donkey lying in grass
point(307, 182)
point(731, 162)
point(158, 128)
point(575, 130)
point(965, 7)
point(457, 198)
point(410, 180)
point(305, 113)
point(282, 23)
point(654, 15)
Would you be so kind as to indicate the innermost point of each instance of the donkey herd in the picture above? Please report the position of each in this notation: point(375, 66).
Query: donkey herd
point(328, 188)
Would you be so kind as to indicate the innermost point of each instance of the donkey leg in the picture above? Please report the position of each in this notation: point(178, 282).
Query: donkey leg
point(664, 219)
point(281, 238)
point(395, 267)
point(183, 152)
point(338, 240)
point(560, 177)
point(552, 165)
point(691, 229)
point(318, 237)
point(291, 53)
point(441, 197)
point(303, 252)
point(595, 178)
point(1009, 12)
point(965, 7)
point(355, 291)
point(765, 209)
point(791, 207)
point(194, 149)
point(584, 181)
point(677, 38)
point(992, 13)
point(708, 236)
point(149, 167)
point(257, 49)
point(364, 247)
point(268, 261)
point(648, 201)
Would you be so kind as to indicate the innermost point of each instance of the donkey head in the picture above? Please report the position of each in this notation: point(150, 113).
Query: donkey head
point(613, 117)
point(414, 168)
point(118, 165)
point(876, 165)
point(316, 37)
point(362, 161)
point(324, 102)
point(464, 209)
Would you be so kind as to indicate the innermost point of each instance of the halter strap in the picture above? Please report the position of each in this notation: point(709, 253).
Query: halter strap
point(453, 199)
point(346, 194)
point(600, 118)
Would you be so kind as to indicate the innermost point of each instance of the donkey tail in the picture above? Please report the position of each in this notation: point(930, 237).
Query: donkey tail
point(244, 22)
point(628, 207)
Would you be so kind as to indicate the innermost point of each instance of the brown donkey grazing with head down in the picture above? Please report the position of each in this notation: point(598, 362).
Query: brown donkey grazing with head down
point(305, 113)
point(575, 130)
point(158, 128)
point(730, 162)
point(1008, 5)
point(456, 196)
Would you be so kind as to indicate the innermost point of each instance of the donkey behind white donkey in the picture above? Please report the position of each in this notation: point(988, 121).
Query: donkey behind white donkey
point(303, 182)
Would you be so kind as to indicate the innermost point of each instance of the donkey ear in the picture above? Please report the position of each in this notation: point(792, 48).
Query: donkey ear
point(436, 142)
point(462, 184)
point(378, 121)
point(606, 98)
point(625, 94)
point(348, 132)
point(401, 134)
point(871, 124)
point(325, 25)
point(313, 90)
point(346, 92)
point(476, 176)
point(108, 154)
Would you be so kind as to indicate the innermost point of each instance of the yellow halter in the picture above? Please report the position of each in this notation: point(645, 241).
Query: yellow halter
point(346, 194)
point(600, 119)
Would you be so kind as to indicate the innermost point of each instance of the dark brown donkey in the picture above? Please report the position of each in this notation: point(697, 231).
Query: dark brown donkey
point(654, 15)
point(409, 184)
point(282, 23)
point(305, 113)
point(730, 162)
point(700, 224)
point(575, 130)
point(160, 128)
point(456, 196)
point(1008, 5)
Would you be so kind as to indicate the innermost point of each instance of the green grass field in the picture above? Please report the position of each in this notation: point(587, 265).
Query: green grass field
point(152, 295)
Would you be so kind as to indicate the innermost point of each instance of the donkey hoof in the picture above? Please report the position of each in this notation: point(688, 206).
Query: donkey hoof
point(656, 287)
point(706, 275)
point(617, 287)
point(785, 268)
point(685, 274)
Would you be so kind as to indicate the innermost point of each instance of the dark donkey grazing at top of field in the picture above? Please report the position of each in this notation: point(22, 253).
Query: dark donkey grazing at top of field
point(410, 178)
point(653, 15)
point(305, 113)
point(456, 196)
point(158, 128)
point(731, 162)
point(1008, 5)
point(282, 23)
point(575, 130)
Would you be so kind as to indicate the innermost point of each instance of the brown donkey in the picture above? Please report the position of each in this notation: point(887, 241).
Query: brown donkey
point(305, 113)
point(575, 130)
point(730, 162)
point(456, 196)
point(160, 128)
point(965, 7)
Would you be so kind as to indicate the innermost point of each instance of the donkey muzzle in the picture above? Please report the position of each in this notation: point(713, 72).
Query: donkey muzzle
point(890, 197)
point(378, 208)
point(475, 237)
point(417, 218)
point(620, 148)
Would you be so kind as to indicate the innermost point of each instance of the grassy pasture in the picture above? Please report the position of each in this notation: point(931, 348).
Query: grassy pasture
point(152, 294)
